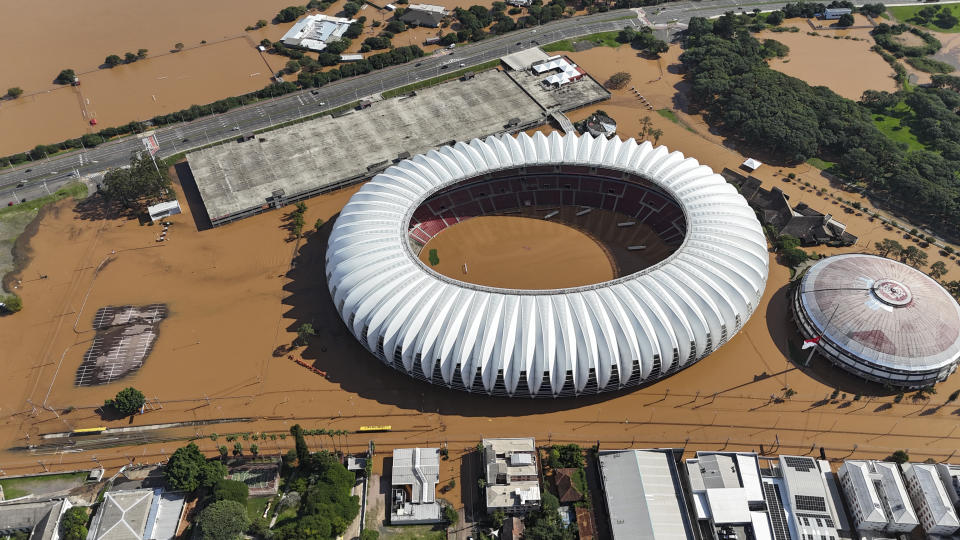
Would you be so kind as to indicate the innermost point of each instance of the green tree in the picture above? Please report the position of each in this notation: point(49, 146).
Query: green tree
point(914, 256)
point(370, 534)
point(255, 450)
point(231, 490)
point(66, 76)
point(137, 186)
point(261, 23)
point(223, 452)
point(292, 66)
point(618, 80)
point(238, 449)
point(11, 303)
point(223, 520)
point(888, 247)
point(774, 18)
point(545, 523)
point(14, 92)
point(178, 46)
point(73, 524)
point(938, 269)
point(900, 456)
point(291, 13)
point(303, 451)
point(656, 134)
point(317, 225)
point(845, 20)
point(128, 401)
point(450, 514)
point(859, 164)
point(350, 9)
point(304, 332)
point(187, 469)
point(142, 53)
point(129, 57)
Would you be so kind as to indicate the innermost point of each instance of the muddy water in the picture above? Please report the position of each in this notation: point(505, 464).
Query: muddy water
point(233, 300)
point(825, 61)
point(518, 253)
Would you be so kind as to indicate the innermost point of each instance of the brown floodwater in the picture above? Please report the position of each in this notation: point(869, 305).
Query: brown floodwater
point(518, 253)
point(846, 66)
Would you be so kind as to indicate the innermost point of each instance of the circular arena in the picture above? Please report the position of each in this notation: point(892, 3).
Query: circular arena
point(693, 270)
point(880, 319)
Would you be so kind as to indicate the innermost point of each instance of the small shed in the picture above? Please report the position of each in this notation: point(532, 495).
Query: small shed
point(164, 209)
point(751, 164)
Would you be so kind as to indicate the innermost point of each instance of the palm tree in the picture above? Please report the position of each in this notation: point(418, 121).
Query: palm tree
point(645, 124)
point(656, 133)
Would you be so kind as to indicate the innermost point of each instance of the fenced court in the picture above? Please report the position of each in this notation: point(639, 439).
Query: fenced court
point(261, 479)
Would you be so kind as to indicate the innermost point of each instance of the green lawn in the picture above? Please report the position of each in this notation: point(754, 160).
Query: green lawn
point(75, 189)
point(669, 115)
point(893, 127)
point(256, 505)
point(38, 485)
point(904, 13)
point(602, 39)
point(820, 163)
point(437, 80)
point(412, 532)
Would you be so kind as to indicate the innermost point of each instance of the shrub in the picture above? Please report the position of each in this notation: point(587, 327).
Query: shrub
point(223, 520)
point(11, 303)
point(231, 490)
point(618, 80)
point(899, 456)
point(73, 524)
point(15, 92)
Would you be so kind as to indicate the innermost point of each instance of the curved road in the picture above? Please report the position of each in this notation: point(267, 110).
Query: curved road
point(35, 179)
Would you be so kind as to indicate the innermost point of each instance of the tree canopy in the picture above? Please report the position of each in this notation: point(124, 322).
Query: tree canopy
point(137, 186)
point(187, 469)
point(231, 490)
point(291, 13)
point(326, 505)
point(73, 525)
point(223, 520)
point(128, 401)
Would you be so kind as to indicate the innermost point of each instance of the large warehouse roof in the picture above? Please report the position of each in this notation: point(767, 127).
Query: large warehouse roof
point(883, 312)
point(674, 312)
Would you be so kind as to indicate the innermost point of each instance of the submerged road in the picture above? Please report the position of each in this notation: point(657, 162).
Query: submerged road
point(38, 178)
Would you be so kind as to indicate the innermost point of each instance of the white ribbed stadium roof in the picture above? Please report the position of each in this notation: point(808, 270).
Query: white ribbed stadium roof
point(563, 341)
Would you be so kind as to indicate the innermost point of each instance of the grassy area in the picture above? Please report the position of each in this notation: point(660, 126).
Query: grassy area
point(437, 80)
point(672, 116)
point(412, 532)
point(256, 506)
point(19, 487)
point(669, 115)
point(74, 189)
point(905, 13)
point(820, 163)
point(601, 39)
point(892, 127)
point(929, 65)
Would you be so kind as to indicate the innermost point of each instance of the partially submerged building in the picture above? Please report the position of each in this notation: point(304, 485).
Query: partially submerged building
point(137, 514)
point(512, 482)
point(565, 71)
point(810, 226)
point(728, 497)
point(930, 499)
point(644, 495)
point(424, 15)
point(877, 498)
point(803, 499)
point(313, 32)
point(413, 485)
point(39, 520)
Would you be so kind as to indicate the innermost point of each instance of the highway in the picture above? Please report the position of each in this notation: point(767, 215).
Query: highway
point(37, 178)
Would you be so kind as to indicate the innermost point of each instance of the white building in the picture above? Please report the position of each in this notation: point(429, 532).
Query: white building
point(164, 209)
point(876, 496)
point(728, 494)
point(644, 495)
point(429, 8)
point(950, 476)
point(930, 499)
point(413, 484)
point(564, 342)
point(513, 486)
point(314, 31)
point(804, 500)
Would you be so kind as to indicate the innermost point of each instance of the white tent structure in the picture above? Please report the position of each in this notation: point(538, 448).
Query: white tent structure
point(546, 343)
point(164, 209)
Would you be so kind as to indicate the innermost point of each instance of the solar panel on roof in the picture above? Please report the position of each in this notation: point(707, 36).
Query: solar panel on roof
point(802, 464)
point(813, 504)
point(775, 509)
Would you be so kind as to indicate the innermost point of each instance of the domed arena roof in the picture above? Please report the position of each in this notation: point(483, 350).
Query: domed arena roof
point(530, 343)
point(882, 312)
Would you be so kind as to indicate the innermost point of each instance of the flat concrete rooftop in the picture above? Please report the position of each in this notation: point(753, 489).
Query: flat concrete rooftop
point(237, 179)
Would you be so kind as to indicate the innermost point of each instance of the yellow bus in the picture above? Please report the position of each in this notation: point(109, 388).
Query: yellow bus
point(89, 431)
point(369, 429)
